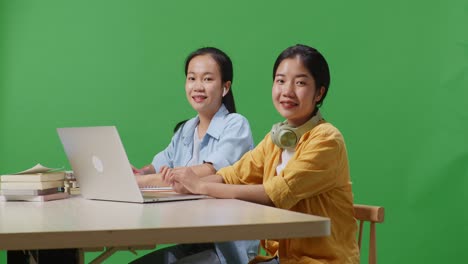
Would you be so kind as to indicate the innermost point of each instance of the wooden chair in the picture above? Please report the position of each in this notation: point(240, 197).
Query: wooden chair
point(372, 214)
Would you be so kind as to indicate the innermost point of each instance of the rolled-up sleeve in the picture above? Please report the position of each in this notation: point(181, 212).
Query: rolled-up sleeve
point(229, 175)
point(235, 140)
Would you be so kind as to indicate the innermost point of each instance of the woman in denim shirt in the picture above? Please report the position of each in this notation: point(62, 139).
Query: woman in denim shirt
point(215, 138)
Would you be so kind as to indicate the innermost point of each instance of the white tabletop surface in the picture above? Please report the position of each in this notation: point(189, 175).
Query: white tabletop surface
point(78, 223)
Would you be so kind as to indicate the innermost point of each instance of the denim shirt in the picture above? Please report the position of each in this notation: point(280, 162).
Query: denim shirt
point(227, 139)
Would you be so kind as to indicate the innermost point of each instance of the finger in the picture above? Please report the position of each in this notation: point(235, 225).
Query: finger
point(171, 177)
point(164, 173)
point(178, 170)
point(179, 188)
point(162, 169)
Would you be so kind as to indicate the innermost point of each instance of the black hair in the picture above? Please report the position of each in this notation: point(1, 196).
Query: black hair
point(225, 67)
point(178, 125)
point(313, 61)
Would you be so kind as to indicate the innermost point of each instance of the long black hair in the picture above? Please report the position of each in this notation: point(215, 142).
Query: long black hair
point(313, 61)
point(227, 74)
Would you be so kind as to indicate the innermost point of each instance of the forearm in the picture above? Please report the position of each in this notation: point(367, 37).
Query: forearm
point(213, 178)
point(252, 193)
point(203, 170)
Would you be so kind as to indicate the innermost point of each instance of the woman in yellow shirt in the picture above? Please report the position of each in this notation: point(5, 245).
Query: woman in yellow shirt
point(301, 165)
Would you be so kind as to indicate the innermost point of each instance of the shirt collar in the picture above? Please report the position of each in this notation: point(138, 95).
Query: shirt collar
point(218, 122)
point(214, 130)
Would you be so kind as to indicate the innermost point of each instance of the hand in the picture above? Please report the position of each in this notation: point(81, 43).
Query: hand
point(148, 169)
point(166, 174)
point(184, 179)
point(137, 171)
point(179, 188)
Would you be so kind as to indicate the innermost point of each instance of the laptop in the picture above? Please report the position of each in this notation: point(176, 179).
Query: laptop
point(102, 169)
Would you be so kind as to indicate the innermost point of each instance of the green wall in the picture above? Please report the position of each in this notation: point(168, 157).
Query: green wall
point(398, 92)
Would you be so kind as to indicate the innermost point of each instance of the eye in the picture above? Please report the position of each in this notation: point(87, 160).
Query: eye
point(208, 79)
point(279, 81)
point(190, 78)
point(301, 83)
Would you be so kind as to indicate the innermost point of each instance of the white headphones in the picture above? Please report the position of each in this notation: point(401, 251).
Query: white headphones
point(287, 137)
point(224, 91)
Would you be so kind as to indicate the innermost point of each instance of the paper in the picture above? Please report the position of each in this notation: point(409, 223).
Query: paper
point(38, 168)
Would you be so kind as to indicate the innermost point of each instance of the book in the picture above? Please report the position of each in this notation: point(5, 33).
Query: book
point(34, 177)
point(31, 185)
point(35, 198)
point(29, 192)
point(74, 191)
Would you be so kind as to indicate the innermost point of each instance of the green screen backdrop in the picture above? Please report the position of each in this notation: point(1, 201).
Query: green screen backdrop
point(398, 92)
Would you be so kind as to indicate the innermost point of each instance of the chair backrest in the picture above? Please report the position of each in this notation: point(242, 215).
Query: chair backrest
point(372, 214)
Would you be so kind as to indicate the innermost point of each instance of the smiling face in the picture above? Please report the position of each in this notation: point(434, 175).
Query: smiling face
point(294, 93)
point(203, 85)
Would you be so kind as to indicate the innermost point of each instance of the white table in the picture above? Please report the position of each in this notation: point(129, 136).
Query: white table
point(81, 223)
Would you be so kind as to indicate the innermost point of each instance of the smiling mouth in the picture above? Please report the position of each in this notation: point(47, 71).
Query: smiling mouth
point(199, 98)
point(288, 104)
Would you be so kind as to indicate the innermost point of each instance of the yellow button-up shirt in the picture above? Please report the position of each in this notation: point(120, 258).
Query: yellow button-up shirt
point(315, 181)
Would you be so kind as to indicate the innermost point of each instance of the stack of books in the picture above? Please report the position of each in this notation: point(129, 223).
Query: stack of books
point(37, 184)
point(71, 185)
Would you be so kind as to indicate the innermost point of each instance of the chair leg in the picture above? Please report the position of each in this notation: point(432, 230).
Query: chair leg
point(372, 245)
point(361, 224)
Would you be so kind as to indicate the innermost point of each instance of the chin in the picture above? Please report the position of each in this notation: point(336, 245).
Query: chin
point(196, 107)
point(287, 113)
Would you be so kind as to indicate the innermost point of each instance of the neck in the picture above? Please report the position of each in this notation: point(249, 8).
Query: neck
point(300, 123)
point(205, 120)
point(204, 123)
point(315, 118)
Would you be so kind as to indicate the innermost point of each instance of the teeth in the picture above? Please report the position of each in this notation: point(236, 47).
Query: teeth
point(199, 98)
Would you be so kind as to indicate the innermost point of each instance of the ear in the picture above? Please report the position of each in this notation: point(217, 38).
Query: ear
point(320, 94)
point(226, 87)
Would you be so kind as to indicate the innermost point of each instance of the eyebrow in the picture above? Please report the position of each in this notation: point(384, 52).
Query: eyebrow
point(203, 73)
point(302, 75)
point(296, 76)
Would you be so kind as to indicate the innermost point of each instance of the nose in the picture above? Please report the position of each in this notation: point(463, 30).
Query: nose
point(198, 86)
point(287, 89)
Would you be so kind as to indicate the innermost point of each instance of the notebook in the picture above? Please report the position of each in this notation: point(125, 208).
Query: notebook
point(102, 169)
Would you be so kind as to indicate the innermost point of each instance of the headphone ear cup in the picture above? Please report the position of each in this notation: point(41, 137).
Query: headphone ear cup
point(274, 135)
point(283, 136)
point(286, 137)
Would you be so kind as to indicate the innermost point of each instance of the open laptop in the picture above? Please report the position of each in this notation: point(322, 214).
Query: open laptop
point(102, 169)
